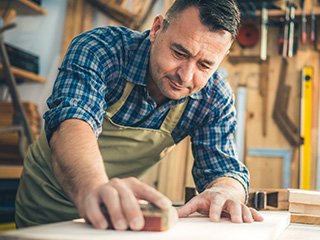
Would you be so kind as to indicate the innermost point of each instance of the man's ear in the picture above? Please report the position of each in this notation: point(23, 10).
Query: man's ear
point(156, 27)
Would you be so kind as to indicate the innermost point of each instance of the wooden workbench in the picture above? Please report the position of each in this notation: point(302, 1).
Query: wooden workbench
point(195, 227)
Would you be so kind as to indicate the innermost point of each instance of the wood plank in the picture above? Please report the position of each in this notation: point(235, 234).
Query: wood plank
point(10, 15)
point(273, 167)
point(304, 196)
point(68, 33)
point(24, 75)
point(305, 219)
point(25, 7)
point(115, 11)
point(87, 14)
point(195, 227)
point(304, 208)
point(188, 179)
point(171, 174)
point(10, 171)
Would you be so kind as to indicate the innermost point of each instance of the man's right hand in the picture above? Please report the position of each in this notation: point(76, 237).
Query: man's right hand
point(120, 196)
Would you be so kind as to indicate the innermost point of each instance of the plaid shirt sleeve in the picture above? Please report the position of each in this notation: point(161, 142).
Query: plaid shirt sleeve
point(79, 90)
point(213, 146)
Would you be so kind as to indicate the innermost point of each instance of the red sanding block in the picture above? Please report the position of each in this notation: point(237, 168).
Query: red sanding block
point(155, 219)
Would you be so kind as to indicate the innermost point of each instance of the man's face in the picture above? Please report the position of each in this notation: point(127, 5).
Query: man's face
point(185, 55)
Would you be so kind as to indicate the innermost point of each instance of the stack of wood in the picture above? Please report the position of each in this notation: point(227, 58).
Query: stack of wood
point(9, 142)
point(304, 206)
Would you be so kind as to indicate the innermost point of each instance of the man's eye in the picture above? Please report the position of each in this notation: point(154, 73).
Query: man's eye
point(179, 54)
point(204, 66)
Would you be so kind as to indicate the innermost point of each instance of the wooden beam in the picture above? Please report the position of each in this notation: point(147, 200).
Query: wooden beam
point(21, 74)
point(304, 196)
point(24, 7)
point(305, 219)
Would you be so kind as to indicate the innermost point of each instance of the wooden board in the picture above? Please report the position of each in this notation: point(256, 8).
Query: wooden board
point(304, 218)
point(171, 174)
point(9, 171)
point(303, 196)
point(25, 7)
point(23, 75)
point(195, 227)
point(304, 208)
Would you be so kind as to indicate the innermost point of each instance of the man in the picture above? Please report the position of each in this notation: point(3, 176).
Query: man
point(120, 100)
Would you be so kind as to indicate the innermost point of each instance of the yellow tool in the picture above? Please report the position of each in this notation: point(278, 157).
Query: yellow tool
point(305, 127)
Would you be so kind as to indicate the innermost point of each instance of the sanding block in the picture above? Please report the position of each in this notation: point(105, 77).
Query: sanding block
point(155, 219)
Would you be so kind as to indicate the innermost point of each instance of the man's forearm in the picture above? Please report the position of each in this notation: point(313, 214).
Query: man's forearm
point(76, 159)
point(235, 187)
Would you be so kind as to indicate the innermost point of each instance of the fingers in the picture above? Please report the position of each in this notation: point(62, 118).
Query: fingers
point(119, 196)
point(216, 206)
point(246, 214)
point(241, 213)
point(94, 214)
point(110, 198)
point(235, 210)
point(129, 205)
point(189, 208)
point(256, 215)
point(145, 192)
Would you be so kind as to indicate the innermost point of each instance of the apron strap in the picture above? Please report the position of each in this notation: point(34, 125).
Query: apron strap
point(113, 109)
point(173, 116)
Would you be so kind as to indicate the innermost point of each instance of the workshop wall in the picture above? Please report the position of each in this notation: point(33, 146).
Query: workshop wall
point(273, 162)
point(269, 156)
point(42, 36)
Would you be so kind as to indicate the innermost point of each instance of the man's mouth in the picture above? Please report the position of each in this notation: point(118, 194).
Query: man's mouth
point(175, 85)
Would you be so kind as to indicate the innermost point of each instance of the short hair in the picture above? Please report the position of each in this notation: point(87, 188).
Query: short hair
point(215, 14)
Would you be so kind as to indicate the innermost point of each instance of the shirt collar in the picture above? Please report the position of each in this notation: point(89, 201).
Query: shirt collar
point(138, 64)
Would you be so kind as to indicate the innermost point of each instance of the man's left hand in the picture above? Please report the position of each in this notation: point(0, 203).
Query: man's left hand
point(217, 201)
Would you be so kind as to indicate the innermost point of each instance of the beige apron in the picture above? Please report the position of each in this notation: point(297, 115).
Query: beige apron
point(126, 151)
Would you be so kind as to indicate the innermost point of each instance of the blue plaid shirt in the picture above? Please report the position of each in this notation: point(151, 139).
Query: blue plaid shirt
point(93, 75)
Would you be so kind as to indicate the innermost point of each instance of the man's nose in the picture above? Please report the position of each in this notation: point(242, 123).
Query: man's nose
point(185, 72)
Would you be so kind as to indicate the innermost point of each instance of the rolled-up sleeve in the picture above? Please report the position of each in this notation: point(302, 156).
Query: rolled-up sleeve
point(214, 149)
point(80, 88)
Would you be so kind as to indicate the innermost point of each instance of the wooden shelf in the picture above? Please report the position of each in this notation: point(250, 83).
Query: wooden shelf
point(24, 7)
point(10, 171)
point(25, 75)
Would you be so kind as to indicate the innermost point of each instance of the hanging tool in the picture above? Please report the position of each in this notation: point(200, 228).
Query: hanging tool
point(264, 86)
point(240, 134)
point(304, 24)
point(292, 16)
point(286, 32)
point(280, 115)
point(313, 29)
point(248, 35)
point(264, 32)
point(305, 128)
